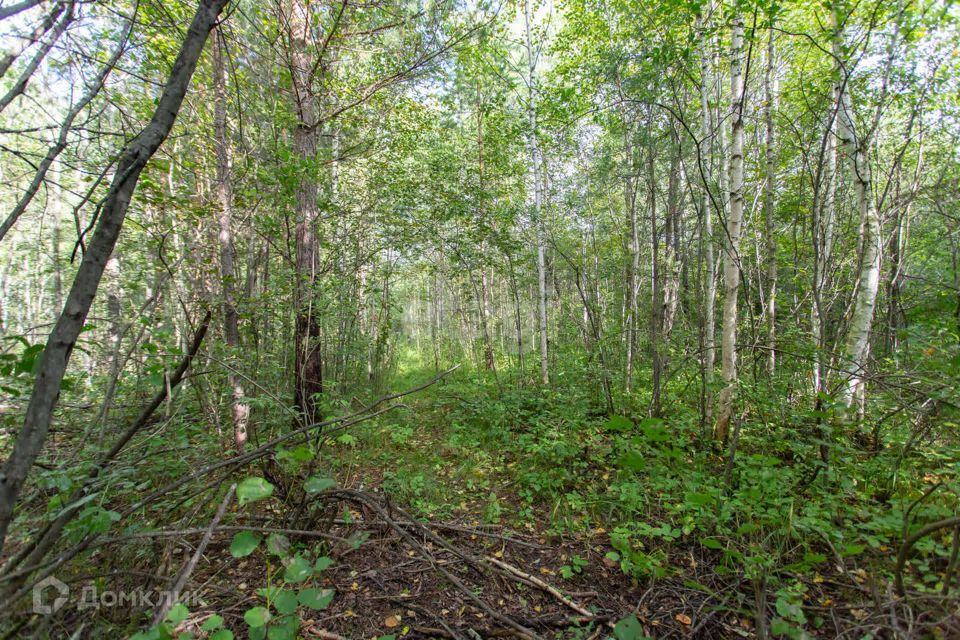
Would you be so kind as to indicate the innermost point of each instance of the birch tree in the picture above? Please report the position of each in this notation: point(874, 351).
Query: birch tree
point(536, 166)
point(731, 246)
point(856, 150)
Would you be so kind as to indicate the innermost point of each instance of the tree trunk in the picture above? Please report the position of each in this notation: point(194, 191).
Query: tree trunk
point(632, 257)
point(731, 253)
point(56, 355)
point(707, 134)
point(856, 151)
point(538, 217)
point(308, 361)
point(770, 89)
point(656, 276)
point(240, 411)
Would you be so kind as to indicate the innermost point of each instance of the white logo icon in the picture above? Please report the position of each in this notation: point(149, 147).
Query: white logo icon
point(58, 601)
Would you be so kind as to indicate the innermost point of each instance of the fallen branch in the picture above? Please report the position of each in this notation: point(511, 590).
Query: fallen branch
point(907, 546)
point(174, 593)
point(374, 505)
point(343, 422)
point(509, 568)
point(176, 533)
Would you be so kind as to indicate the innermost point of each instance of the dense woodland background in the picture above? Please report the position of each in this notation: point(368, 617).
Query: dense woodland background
point(389, 318)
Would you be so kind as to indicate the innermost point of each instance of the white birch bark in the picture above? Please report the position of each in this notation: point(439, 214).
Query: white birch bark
point(856, 153)
point(731, 248)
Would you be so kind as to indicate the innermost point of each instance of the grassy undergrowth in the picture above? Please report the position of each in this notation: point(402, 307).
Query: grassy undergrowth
point(776, 516)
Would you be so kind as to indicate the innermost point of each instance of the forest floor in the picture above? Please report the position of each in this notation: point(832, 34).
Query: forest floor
point(387, 587)
point(477, 510)
point(462, 538)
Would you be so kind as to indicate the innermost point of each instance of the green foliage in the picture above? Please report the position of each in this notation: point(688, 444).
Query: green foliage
point(316, 484)
point(244, 543)
point(629, 629)
point(253, 489)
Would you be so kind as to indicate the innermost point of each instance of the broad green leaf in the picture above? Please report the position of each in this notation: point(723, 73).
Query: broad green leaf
point(177, 614)
point(316, 598)
point(317, 484)
point(244, 543)
point(629, 629)
point(298, 570)
point(619, 424)
point(252, 489)
point(213, 622)
point(286, 602)
point(322, 564)
point(257, 616)
point(283, 628)
point(632, 461)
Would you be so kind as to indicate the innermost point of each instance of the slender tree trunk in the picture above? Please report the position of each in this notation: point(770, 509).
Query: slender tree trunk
point(656, 277)
point(517, 315)
point(824, 216)
point(536, 162)
point(114, 338)
point(489, 362)
point(240, 411)
point(856, 152)
point(770, 89)
point(56, 209)
point(60, 343)
point(896, 319)
point(731, 254)
point(671, 262)
point(706, 159)
point(632, 257)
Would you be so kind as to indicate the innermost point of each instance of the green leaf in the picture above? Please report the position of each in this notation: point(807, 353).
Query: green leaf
point(178, 613)
point(316, 599)
point(213, 622)
point(252, 489)
point(711, 543)
point(300, 453)
point(632, 461)
point(618, 423)
point(244, 543)
point(286, 602)
point(257, 617)
point(222, 634)
point(284, 628)
point(322, 564)
point(298, 570)
point(270, 593)
point(780, 627)
point(317, 484)
point(629, 629)
point(698, 499)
